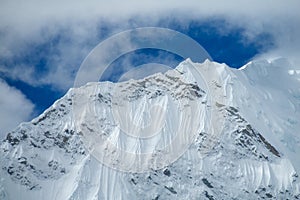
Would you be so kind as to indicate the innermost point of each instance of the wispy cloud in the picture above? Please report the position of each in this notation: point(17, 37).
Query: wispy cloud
point(14, 108)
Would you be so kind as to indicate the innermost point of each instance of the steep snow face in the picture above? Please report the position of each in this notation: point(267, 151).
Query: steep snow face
point(198, 131)
point(269, 98)
point(140, 125)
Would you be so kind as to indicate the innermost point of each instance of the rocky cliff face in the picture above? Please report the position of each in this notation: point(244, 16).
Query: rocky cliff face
point(200, 131)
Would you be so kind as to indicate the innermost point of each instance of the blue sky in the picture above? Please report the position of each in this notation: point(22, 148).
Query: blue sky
point(43, 44)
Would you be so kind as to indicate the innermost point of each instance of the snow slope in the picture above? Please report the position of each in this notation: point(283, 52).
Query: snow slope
point(200, 131)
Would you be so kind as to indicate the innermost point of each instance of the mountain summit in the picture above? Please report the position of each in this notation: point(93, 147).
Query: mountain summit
point(200, 131)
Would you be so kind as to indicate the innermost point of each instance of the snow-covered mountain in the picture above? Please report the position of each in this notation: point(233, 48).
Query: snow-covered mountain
point(200, 131)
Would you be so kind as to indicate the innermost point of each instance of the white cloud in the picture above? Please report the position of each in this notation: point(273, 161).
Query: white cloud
point(14, 108)
point(23, 23)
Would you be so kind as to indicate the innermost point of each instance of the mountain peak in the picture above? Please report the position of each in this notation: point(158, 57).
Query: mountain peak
point(202, 130)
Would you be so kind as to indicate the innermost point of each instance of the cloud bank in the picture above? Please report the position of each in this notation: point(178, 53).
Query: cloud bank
point(75, 28)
